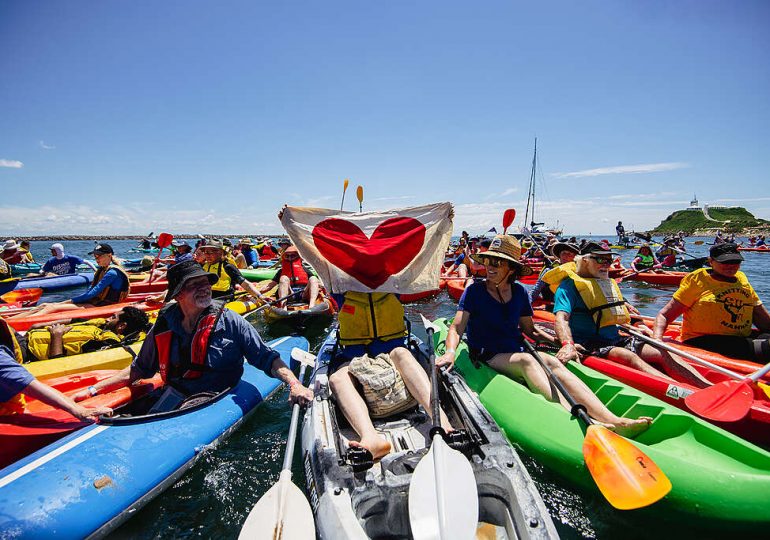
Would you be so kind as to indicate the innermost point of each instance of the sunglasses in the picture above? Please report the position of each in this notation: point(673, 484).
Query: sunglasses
point(601, 260)
point(492, 261)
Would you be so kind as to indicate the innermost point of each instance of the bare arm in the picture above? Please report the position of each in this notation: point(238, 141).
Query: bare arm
point(669, 313)
point(126, 377)
point(56, 345)
point(297, 392)
point(51, 396)
point(762, 318)
point(568, 350)
point(454, 333)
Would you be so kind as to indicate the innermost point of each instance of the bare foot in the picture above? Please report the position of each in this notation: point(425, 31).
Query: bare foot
point(378, 446)
point(629, 427)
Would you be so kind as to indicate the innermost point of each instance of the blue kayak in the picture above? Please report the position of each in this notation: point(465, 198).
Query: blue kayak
point(91, 481)
point(25, 268)
point(52, 283)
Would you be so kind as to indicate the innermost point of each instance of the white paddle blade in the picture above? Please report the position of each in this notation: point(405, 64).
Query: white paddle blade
point(303, 357)
point(282, 513)
point(427, 324)
point(443, 499)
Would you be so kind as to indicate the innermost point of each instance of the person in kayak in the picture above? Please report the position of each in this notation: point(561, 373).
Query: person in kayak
point(249, 254)
point(198, 345)
point(61, 264)
point(645, 259)
point(25, 247)
point(590, 308)
point(228, 276)
point(63, 338)
point(16, 382)
point(110, 285)
point(551, 277)
point(371, 326)
point(495, 313)
point(182, 251)
point(5, 270)
point(13, 255)
point(667, 253)
point(718, 306)
point(293, 276)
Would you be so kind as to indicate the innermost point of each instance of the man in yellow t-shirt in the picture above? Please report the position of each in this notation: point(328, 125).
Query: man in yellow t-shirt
point(719, 306)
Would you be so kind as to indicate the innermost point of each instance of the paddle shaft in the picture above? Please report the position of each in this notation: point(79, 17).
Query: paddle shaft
point(578, 410)
point(272, 303)
point(434, 401)
point(293, 425)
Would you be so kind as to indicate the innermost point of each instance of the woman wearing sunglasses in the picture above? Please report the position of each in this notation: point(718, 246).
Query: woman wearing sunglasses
point(495, 312)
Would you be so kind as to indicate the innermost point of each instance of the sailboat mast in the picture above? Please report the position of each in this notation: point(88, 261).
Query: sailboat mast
point(531, 194)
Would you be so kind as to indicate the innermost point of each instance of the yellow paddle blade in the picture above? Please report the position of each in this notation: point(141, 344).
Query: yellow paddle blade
point(345, 184)
point(360, 193)
point(765, 388)
point(627, 478)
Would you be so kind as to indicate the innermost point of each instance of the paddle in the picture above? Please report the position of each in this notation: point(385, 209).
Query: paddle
point(360, 197)
point(443, 498)
point(25, 296)
point(698, 242)
point(645, 237)
point(728, 401)
point(626, 476)
point(164, 240)
point(508, 217)
point(344, 189)
point(283, 512)
point(274, 302)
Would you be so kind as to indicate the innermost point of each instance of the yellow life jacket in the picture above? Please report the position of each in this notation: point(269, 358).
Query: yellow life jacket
point(555, 276)
point(15, 405)
point(39, 340)
point(603, 299)
point(224, 283)
point(365, 317)
point(108, 295)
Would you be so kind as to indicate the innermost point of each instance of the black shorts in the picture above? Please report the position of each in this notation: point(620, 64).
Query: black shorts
point(481, 356)
point(602, 347)
point(755, 348)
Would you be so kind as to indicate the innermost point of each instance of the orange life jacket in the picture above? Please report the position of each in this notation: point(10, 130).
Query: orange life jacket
point(294, 271)
point(110, 295)
point(15, 405)
point(196, 365)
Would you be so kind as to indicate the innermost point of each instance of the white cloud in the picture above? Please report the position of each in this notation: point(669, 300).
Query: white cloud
point(509, 191)
point(624, 169)
point(11, 163)
point(47, 146)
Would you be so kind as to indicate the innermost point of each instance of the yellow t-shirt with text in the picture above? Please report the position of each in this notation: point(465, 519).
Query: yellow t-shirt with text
point(716, 307)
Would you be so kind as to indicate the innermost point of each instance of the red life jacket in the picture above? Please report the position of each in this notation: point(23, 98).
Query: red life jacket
point(294, 271)
point(199, 347)
point(267, 253)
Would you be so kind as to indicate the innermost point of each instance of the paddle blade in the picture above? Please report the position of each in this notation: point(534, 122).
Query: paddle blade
point(303, 357)
point(728, 401)
point(427, 324)
point(443, 499)
point(282, 513)
point(360, 194)
point(627, 478)
point(25, 296)
point(508, 217)
point(345, 185)
point(164, 240)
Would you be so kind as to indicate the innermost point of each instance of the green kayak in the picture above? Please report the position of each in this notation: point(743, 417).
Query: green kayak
point(718, 478)
point(266, 273)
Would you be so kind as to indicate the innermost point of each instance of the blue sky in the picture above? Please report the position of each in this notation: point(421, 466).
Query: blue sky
point(192, 116)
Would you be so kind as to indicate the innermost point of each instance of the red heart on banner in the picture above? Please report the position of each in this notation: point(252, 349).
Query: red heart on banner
point(393, 245)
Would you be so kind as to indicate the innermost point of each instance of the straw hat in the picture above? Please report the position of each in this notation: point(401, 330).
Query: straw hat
point(507, 248)
point(10, 244)
point(245, 242)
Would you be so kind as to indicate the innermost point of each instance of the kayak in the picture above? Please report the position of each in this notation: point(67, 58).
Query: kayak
point(52, 283)
point(719, 480)
point(267, 273)
point(41, 424)
point(94, 479)
point(300, 312)
point(114, 358)
point(21, 324)
point(455, 288)
point(414, 297)
point(664, 277)
point(759, 249)
point(23, 269)
point(353, 498)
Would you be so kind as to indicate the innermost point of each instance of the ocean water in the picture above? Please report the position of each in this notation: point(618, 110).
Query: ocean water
point(214, 498)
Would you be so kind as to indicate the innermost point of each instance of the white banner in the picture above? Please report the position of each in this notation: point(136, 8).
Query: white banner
point(399, 251)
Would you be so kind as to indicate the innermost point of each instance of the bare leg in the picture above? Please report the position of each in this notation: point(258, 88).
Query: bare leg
point(523, 365)
point(45, 309)
point(313, 285)
point(284, 289)
point(416, 381)
point(355, 410)
point(675, 365)
point(630, 359)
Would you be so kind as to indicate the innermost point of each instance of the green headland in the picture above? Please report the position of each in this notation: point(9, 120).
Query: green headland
point(705, 221)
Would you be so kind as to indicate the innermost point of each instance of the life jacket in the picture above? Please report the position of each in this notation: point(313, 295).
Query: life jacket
point(29, 256)
point(645, 261)
point(294, 271)
point(110, 295)
point(5, 270)
point(15, 405)
point(194, 366)
point(39, 340)
point(365, 317)
point(603, 300)
point(224, 283)
point(13, 258)
point(267, 252)
point(555, 276)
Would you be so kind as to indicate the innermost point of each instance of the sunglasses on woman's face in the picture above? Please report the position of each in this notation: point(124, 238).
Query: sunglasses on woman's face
point(492, 261)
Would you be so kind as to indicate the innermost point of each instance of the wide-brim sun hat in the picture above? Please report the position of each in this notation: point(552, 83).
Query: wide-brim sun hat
point(558, 247)
point(181, 273)
point(245, 242)
point(10, 244)
point(506, 248)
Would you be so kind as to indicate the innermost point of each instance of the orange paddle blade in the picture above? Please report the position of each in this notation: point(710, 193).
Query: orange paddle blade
point(345, 184)
point(25, 296)
point(728, 401)
point(360, 193)
point(627, 478)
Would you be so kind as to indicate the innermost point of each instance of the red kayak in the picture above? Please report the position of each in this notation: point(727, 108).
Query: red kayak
point(759, 249)
point(41, 424)
point(653, 277)
point(159, 285)
point(406, 298)
point(21, 324)
point(455, 288)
